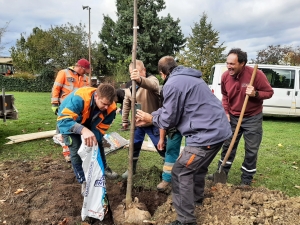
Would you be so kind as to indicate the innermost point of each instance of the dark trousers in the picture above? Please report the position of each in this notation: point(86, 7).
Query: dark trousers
point(139, 136)
point(251, 129)
point(188, 179)
point(73, 141)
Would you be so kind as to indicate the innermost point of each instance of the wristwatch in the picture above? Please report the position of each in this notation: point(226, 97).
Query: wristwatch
point(256, 94)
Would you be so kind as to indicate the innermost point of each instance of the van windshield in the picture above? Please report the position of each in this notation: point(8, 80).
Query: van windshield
point(280, 78)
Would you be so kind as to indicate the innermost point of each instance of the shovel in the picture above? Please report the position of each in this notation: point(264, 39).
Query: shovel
point(220, 176)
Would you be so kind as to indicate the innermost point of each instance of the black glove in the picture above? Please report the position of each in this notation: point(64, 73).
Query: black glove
point(171, 132)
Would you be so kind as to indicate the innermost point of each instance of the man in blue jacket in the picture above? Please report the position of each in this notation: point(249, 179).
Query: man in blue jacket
point(86, 114)
point(191, 107)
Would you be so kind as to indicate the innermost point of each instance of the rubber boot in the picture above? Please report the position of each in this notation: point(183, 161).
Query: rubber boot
point(125, 175)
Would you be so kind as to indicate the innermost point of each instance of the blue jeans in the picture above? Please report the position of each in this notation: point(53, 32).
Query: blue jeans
point(172, 153)
point(139, 136)
point(73, 141)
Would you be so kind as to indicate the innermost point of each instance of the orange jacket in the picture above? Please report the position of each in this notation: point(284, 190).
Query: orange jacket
point(66, 81)
point(76, 111)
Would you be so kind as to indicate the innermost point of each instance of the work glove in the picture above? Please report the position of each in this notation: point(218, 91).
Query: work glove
point(55, 109)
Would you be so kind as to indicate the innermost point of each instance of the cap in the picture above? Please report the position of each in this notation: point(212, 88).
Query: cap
point(84, 63)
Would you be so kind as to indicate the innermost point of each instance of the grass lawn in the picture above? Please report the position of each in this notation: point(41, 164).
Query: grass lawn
point(278, 161)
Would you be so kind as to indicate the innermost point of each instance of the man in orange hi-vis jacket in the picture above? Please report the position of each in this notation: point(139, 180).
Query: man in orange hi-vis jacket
point(66, 81)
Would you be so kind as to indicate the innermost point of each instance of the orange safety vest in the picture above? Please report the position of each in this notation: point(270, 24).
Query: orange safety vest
point(66, 81)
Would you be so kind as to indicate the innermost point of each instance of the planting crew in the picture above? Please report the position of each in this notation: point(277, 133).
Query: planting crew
point(87, 112)
point(191, 107)
point(147, 94)
point(235, 86)
point(65, 82)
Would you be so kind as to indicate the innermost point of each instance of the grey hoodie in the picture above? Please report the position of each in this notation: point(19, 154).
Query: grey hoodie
point(190, 106)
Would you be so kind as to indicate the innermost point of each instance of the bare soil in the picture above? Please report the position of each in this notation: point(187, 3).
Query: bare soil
point(46, 192)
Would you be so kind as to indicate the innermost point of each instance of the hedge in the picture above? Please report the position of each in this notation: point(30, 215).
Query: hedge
point(41, 83)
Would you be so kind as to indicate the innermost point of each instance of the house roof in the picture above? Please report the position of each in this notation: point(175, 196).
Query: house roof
point(5, 60)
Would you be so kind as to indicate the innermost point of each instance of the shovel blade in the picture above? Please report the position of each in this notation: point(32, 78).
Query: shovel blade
point(220, 177)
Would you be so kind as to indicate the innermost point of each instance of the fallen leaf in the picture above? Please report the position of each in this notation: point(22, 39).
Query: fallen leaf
point(5, 175)
point(295, 167)
point(213, 188)
point(64, 222)
point(280, 145)
point(19, 191)
point(296, 186)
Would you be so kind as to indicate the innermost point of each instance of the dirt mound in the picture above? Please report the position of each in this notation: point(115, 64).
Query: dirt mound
point(236, 205)
point(46, 192)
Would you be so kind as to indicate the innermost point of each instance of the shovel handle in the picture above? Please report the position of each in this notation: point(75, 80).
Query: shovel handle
point(240, 119)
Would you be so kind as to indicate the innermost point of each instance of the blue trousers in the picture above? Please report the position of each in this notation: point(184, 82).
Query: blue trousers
point(139, 136)
point(172, 153)
point(73, 141)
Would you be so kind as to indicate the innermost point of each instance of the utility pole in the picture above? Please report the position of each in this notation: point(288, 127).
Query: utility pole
point(89, 8)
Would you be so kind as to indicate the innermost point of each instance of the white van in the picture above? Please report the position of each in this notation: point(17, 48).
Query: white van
point(284, 81)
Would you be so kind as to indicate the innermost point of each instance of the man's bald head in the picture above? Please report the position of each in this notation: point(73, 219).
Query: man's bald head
point(166, 65)
point(139, 66)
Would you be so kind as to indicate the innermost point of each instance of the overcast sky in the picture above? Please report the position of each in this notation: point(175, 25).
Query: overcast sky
point(251, 25)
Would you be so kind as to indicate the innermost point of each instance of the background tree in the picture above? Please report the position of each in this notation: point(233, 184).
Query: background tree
point(274, 54)
point(293, 57)
point(202, 50)
point(58, 47)
point(157, 36)
point(2, 32)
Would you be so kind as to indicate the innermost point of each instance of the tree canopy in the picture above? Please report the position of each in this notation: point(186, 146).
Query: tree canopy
point(157, 36)
point(2, 32)
point(59, 47)
point(277, 54)
point(203, 49)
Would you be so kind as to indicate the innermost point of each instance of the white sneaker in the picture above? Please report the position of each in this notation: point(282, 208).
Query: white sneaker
point(57, 138)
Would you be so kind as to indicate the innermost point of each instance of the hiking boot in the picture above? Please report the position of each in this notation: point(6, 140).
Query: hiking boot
point(163, 185)
point(210, 177)
point(110, 174)
point(57, 139)
point(199, 202)
point(246, 184)
point(124, 129)
point(66, 153)
point(83, 188)
point(125, 175)
point(176, 222)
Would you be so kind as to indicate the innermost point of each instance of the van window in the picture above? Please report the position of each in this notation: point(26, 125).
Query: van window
point(280, 78)
point(211, 76)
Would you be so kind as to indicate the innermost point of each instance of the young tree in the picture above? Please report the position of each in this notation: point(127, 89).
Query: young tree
point(157, 36)
point(202, 50)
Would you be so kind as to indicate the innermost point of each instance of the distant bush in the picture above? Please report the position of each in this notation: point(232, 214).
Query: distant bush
point(28, 83)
